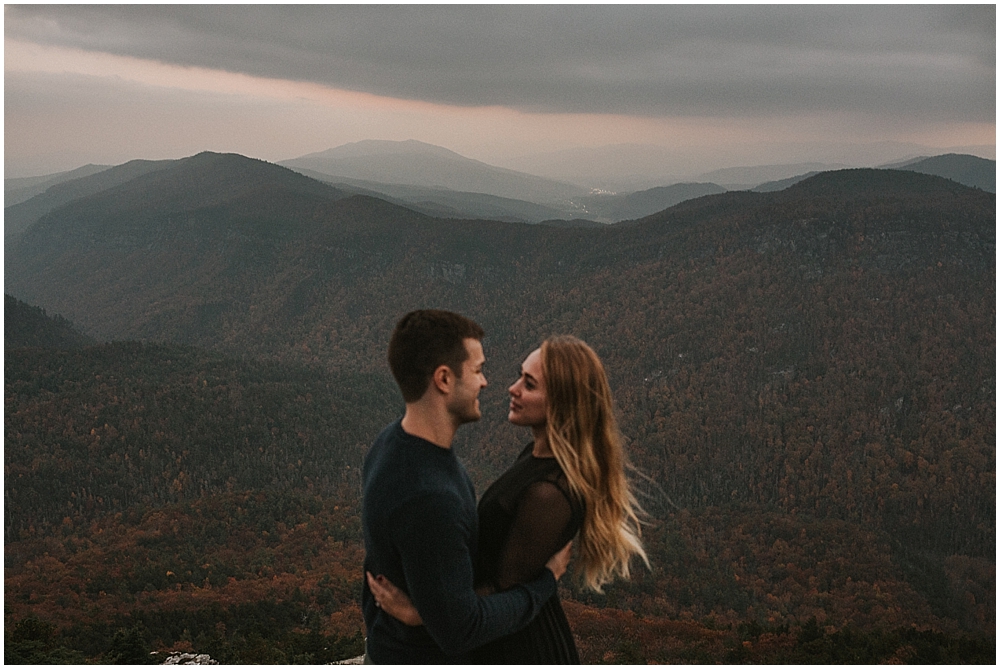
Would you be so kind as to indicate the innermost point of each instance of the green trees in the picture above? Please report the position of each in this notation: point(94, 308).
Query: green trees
point(34, 641)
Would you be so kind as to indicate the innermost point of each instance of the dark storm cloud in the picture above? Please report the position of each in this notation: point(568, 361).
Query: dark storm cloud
point(922, 62)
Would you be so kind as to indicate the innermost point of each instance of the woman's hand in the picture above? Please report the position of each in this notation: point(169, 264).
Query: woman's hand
point(393, 601)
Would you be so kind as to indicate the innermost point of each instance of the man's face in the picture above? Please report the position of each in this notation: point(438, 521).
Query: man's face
point(463, 404)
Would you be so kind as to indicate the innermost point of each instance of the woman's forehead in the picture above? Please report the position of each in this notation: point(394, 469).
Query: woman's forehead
point(533, 363)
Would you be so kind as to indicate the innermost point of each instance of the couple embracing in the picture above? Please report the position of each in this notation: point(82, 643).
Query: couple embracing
point(449, 583)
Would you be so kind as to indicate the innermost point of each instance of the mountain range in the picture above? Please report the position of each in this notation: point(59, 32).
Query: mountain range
point(804, 376)
point(964, 169)
point(633, 167)
point(403, 173)
point(749, 177)
point(17, 190)
point(224, 251)
point(67, 187)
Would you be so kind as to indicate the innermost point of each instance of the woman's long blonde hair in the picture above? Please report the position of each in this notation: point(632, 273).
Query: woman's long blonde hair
point(583, 435)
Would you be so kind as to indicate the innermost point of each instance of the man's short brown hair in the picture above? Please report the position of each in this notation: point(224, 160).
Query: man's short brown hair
point(422, 341)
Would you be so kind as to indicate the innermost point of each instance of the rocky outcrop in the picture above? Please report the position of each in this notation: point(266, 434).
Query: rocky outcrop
point(360, 659)
point(189, 658)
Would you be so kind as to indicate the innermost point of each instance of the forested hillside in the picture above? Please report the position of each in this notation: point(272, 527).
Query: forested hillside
point(614, 208)
point(169, 424)
point(190, 499)
point(969, 170)
point(806, 377)
point(26, 326)
point(19, 216)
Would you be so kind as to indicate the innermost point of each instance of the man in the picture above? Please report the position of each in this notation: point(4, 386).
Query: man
point(419, 506)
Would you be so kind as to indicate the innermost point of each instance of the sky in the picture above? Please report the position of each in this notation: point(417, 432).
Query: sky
point(688, 88)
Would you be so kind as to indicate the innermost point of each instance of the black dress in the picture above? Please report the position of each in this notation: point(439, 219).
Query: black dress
point(525, 517)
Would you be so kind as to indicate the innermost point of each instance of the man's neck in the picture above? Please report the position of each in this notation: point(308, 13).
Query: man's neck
point(429, 423)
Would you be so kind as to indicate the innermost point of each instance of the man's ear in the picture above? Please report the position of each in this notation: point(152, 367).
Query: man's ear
point(443, 379)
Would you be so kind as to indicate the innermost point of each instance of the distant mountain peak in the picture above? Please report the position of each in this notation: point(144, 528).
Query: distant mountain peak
point(216, 158)
point(965, 169)
point(385, 147)
point(415, 163)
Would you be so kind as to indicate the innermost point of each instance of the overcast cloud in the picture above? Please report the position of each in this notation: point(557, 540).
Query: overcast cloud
point(654, 60)
point(491, 81)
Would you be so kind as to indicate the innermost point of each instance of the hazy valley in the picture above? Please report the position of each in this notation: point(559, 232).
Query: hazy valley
point(804, 371)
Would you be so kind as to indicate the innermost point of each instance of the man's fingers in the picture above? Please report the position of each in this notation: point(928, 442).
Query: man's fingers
point(375, 587)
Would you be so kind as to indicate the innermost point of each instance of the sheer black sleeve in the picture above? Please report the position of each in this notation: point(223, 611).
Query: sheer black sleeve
point(538, 532)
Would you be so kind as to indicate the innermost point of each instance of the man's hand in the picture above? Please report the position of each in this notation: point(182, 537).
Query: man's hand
point(557, 563)
point(393, 601)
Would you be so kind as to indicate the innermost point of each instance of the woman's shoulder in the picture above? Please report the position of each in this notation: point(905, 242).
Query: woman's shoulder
point(552, 499)
point(552, 480)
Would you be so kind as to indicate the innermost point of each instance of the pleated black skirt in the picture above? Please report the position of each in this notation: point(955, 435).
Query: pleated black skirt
point(546, 640)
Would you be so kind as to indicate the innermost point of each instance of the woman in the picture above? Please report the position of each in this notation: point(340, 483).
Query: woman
point(569, 479)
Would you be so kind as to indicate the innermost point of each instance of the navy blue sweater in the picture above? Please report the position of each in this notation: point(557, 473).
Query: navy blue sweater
point(420, 528)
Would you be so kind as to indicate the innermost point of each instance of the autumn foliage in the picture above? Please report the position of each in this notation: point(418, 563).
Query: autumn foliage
point(805, 380)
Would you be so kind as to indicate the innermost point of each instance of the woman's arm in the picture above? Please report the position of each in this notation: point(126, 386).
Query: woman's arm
point(539, 530)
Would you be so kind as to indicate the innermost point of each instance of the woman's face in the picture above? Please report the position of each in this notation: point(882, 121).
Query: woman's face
point(527, 395)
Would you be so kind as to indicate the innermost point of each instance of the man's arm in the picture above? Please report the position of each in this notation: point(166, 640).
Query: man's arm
point(397, 604)
point(432, 538)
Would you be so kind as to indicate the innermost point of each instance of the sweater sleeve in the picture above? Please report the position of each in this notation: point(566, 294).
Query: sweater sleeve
point(433, 541)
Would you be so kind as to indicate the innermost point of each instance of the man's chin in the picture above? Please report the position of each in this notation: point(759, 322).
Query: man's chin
point(470, 416)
